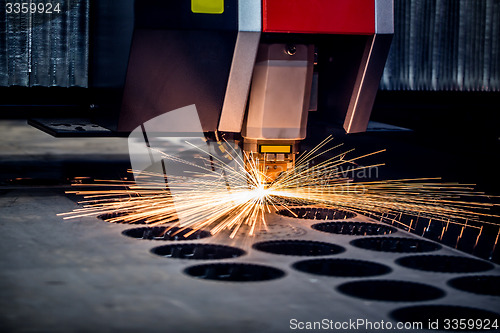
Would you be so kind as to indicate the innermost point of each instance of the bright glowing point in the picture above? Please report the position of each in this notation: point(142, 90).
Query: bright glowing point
point(260, 192)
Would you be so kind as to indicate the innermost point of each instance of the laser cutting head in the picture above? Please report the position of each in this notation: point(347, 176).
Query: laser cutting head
point(279, 101)
point(272, 158)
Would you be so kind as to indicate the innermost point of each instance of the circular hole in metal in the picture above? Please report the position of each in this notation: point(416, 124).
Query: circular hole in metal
point(395, 244)
point(109, 216)
point(298, 248)
point(198, 251)
point(445, 317)
point(130, 220)
point(234, 272)
point(166, 233)
point(341, 267)
point(444, 264)
point(391, 290)
point(314, 213)
point(479, 284)
point(354, 228)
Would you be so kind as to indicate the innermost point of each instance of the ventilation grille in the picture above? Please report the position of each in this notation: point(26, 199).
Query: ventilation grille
point(444, 45)
point(45, 49)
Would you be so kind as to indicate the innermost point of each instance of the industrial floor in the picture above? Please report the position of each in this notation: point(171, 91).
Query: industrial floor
point(85, 275)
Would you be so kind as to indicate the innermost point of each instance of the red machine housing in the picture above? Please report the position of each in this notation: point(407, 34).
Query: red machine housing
point(319, 16)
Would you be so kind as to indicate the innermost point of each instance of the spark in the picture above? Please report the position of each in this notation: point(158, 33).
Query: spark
point(221, 196)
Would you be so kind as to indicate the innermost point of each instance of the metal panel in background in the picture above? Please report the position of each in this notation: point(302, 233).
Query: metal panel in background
point(444, 45)
point(45, 48)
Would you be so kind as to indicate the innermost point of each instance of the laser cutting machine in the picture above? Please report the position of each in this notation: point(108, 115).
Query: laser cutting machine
point(253, 68)
point(256, 67)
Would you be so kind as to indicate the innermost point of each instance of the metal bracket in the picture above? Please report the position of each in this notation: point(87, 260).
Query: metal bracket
point(72, 127)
